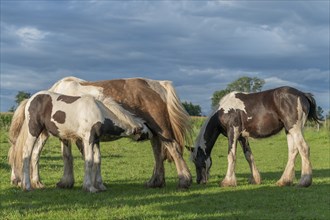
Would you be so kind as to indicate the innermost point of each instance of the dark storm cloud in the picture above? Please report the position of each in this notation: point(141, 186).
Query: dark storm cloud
point(200, 45)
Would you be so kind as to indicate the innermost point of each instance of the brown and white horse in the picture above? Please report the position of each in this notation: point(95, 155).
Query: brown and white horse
point(153, 101)
point(52, 113)
point(257, 115)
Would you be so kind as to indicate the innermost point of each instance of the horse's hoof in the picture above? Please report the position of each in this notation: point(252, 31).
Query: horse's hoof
point(155, 183)
point(26, 188)
point(91, 189)
point(254, 181)
point(15, 182)
point(38, 185)
point(101, 187)
point(65, 185)
point(282, 183)
point(228, 183)
point(305, 181)
point(184, 183)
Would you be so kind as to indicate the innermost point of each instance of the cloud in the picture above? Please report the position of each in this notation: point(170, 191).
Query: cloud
point(199, 45)
point(30, 34)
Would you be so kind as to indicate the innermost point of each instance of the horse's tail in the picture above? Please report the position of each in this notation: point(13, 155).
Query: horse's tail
point(15, 128)
point(312, 114)
point(18, 133)
point(179, 118)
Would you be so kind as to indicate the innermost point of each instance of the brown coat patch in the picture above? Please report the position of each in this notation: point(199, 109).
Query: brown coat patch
point(40, 110)
point(136, 96)
point(59, 117)
point(68, 99)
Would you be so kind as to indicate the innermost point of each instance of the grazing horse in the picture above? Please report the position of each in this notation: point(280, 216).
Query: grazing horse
point(80, 118)
point(257, 115)
point(153, 101)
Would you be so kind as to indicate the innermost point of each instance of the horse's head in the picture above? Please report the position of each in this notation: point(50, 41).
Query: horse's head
point(203, 163)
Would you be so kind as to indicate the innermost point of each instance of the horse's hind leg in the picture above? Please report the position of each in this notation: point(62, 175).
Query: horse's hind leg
point(306, 167)
point(35, 176)
point(97, 168)
point(27, 152)
point(158, 176)
point(88, 184)
point(255, 175)
point(288, 174)
point(185, 178)
point(67, 180)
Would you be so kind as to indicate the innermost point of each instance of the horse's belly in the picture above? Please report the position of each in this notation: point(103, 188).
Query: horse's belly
point(265, 127)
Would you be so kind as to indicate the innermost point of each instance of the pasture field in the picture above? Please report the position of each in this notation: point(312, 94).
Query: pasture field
point(126, 165)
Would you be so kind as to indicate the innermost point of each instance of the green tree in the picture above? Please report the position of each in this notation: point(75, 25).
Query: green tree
point(193, 110)
point(246, 84)
point(217, 95)
point(20, 96)
point(320, 111)
point(242, 84)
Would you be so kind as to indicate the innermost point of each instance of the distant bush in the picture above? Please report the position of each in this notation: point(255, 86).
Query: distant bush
point(5, 120)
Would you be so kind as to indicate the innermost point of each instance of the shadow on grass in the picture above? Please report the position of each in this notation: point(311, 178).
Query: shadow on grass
point(200, 201)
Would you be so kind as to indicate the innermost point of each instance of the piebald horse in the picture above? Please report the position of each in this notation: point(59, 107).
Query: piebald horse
point(80, 118)
point(156, 102)
point(257, 115)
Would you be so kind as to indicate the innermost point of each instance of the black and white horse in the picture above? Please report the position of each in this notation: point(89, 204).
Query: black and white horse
point(80, 118)
point(257, 115)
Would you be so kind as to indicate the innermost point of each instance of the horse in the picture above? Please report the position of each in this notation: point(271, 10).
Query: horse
point(80, 118)
point(257, 115)
point(156, 102)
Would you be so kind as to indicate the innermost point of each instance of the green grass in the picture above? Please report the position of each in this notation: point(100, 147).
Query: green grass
point(126, 165)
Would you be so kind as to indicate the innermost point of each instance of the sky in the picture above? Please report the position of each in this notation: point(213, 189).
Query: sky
point(201, 46)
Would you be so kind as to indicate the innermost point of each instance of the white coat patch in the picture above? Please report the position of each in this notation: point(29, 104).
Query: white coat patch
point(229, 102)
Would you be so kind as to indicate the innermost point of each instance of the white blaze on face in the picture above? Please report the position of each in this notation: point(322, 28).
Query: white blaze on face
point(231, 102)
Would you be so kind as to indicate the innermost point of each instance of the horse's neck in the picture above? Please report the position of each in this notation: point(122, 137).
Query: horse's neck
point(210, 132)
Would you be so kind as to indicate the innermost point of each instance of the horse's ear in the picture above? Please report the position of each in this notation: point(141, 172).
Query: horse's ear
point(191, 149)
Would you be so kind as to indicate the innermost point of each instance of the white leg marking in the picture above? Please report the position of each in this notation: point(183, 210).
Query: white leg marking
point(27, 151)
point(88, 181)
point(67, 180)
point(230, 178)
point(97, 177)
point(185, 179)
point(35, 176)
point(288, 174)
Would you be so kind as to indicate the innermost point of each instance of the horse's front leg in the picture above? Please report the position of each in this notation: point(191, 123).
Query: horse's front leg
point(35, 176)
point(255, 175)
point(230, 178)
point(158, 176)
point(67, 180)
